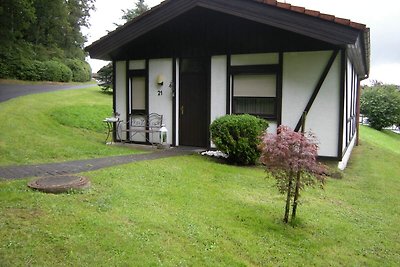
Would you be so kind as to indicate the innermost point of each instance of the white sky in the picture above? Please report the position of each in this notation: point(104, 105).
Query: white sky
point(381, 16)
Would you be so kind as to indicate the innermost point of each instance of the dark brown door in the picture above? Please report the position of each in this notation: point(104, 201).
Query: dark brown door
point(193, 102)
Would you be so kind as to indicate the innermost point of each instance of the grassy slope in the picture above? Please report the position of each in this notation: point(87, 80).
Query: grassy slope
point(193, 211)
point(57, 126)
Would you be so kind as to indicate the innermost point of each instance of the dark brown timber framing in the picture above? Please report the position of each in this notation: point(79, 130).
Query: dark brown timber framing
point(128, 98)
point(173, 88)
point(279, 91)
point(252, 11)
point(318, 87)
point(343, 85)
point(208, 102)
point(358, 112)
point(114, 95)
point(228, 85)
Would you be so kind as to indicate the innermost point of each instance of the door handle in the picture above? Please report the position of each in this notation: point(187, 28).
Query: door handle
point(182, 110)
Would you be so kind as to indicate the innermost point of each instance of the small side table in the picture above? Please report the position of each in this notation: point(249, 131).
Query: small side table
point(113, 124)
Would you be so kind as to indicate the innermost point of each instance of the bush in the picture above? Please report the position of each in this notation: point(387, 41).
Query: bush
point(81, 71)
point(33, 71)
point(238, 136)
point(56, 71)
point(381, 104)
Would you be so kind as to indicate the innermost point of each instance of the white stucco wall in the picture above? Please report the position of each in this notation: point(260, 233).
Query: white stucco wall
point(120, 93)
point(301, 72)
point(161, 104)
point(218, 86)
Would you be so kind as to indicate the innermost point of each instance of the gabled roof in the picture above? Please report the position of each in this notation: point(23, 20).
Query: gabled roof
point(314, 13)
point(310, 23)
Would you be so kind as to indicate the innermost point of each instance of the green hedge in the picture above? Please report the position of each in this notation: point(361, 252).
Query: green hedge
point(238, 137)
point(81, 71)
point(26, 62)
point(56, 71)
point(34, 70)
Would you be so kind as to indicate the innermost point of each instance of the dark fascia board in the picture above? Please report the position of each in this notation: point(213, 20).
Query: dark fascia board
point(359, 54)
point(291, 21)
point(306, 25)
point(163, 13)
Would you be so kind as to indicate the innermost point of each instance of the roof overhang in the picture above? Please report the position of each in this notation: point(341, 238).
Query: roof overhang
point(355, 39)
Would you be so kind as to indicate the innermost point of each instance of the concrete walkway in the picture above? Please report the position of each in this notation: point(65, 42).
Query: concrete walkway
point(71, 167)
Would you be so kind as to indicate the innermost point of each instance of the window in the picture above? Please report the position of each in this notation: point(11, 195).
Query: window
point(254, 94)
point(138, 94)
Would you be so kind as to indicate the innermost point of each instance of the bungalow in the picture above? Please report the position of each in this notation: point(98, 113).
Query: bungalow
point(195, 60)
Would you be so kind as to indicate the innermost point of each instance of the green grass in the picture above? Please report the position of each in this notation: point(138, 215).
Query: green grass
point(56, 126)
point(193, 211)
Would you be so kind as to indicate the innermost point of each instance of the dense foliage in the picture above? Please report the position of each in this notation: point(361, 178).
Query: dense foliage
point(381, 104)
point(290, 157)
point(140, 8)
point(36, 33)
point(81, 71)
point(105, 76)
point(238, 136)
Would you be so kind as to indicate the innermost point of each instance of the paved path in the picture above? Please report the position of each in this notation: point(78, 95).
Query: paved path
point(71, 167)
point(9, 91)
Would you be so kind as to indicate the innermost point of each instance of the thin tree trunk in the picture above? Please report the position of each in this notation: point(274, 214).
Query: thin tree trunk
point(296, 195)
point(289, 191)
point(298, 174)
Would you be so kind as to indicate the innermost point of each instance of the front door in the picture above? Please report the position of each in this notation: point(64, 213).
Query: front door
point(193, 102)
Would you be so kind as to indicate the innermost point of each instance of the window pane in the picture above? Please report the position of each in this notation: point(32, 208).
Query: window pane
point(139, 93)
point(254, 85)
point(254, 105)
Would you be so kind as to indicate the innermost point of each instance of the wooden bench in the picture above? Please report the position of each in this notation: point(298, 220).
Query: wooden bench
point(144, 125)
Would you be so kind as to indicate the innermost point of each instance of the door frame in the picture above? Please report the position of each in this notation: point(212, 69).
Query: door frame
point(207, 59)
point(130, 75)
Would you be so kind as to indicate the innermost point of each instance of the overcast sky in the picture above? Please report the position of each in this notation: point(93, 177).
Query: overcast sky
point(381, 16)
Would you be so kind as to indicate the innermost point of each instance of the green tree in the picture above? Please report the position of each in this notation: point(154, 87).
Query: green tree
point(34, 31)
point(131, 13)
point(105, 74)
point(140, 8)
point(381, 104)
point(15, 18)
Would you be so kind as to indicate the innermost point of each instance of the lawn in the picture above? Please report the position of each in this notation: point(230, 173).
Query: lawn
point(194, 211)
point(56, 126)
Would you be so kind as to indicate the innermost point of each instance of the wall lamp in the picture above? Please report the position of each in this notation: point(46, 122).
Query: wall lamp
point(160, 80)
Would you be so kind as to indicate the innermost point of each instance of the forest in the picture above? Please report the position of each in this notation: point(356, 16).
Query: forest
point(41, 40)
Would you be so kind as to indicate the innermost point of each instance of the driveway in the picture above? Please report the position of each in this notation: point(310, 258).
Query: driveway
point(9, 91)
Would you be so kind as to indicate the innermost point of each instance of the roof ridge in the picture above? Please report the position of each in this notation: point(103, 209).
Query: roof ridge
point(313, 13)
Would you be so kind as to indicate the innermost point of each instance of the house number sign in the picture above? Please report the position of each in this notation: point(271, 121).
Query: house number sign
point(159, 92)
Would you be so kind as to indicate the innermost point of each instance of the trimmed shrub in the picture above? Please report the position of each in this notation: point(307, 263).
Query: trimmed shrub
point(238, 136)
point(56, 71)
point(81, 71)
point(381, 104)
point(33, 71)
